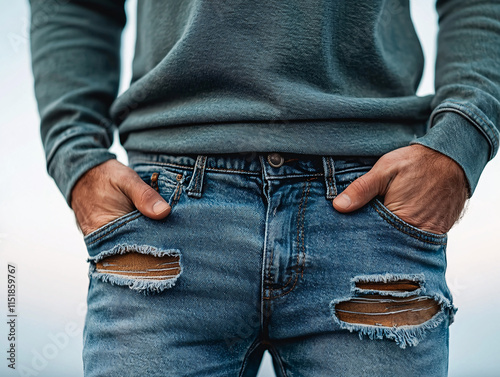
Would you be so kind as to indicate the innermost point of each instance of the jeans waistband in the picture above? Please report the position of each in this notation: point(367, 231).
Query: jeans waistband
point(254, 163)
point(270, 165)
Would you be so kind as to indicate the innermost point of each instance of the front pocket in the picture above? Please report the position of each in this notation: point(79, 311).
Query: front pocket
point(168, 184)
point(404, 227)
point(133, 251)
point(110, 227)
point(376, 206)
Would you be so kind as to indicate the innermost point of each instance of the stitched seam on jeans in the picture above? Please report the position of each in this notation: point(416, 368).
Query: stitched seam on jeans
point(303, 232)
point(234, 170)
point(114, 222)
point(211, 169)
point(162, 177)
point(137, 162)
point(295, 278)
point(395, 226)
point(287, 176)
point(391, 222)
point(269, 266)
point(392, 217)
point(153, 163)
point(298, 253)
point(332, 186)
point(329, 163)
point(278, 358)
point(176, 195)
point(199, 172)
point(167, 182)
point(334, 181)
point(300, 247)
point(301, 269)
point(253, 347)
point(112, 230)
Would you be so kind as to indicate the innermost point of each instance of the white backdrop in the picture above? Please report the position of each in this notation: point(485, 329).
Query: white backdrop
point(38, 232)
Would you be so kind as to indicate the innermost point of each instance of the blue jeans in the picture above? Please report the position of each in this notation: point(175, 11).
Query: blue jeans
point(252, 257)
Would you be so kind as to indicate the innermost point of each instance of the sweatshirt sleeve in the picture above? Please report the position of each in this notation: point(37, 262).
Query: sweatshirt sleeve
point(465, 118)
point(75, 50)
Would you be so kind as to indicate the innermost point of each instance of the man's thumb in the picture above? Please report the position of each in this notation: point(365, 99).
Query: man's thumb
point(148, 201)
point(361, 191)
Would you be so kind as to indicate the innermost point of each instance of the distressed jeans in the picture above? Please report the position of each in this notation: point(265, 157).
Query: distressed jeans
point(253, 257)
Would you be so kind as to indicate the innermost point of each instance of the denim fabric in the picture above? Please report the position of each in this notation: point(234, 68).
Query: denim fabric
point(335, 77)
point(265, 261)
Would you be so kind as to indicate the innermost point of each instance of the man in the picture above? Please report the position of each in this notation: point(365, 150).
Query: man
point(241, 119)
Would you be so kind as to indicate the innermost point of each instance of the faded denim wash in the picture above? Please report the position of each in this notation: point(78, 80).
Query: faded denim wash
point(264, 263)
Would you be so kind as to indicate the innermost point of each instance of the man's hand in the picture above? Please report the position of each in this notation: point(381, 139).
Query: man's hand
point(111, 190)
point(423, 187)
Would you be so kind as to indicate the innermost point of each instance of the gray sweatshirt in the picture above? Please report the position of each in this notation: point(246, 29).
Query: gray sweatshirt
point(334, 77)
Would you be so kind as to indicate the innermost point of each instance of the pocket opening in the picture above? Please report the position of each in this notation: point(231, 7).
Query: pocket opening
point(401, 225)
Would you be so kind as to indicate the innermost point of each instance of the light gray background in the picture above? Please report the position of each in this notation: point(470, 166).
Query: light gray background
point(38, 232)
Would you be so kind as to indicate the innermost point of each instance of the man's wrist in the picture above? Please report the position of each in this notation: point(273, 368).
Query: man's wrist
point(455, 137)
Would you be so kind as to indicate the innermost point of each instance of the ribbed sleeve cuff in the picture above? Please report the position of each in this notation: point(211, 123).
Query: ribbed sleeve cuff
point(454, 136)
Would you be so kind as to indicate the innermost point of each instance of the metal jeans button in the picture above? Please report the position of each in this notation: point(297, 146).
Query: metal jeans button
point(275, 160)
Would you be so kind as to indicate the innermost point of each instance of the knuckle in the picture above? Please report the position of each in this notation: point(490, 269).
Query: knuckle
point(362, 185)
point(147, 194)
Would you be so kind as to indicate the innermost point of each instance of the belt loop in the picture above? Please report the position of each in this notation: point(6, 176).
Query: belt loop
point(331, 186)
point(195, 186)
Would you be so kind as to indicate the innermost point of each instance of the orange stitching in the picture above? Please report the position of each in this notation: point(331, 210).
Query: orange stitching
point(269, 266)
point(300, 218)
point(298, 242)
point(303, 253)
point(284, 293)
point(176, 194)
